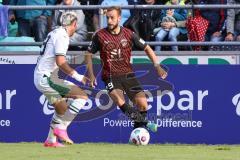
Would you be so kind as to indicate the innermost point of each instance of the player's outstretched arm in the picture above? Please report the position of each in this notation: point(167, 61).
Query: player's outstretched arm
point(64, 66)
point(150, 53)
point(88, 61)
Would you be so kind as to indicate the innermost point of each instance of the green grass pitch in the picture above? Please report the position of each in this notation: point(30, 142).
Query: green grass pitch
point(107, 151)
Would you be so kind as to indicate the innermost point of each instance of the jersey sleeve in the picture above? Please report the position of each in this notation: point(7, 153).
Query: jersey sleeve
point(138, 42)
point(94, 44)
point(61, 45)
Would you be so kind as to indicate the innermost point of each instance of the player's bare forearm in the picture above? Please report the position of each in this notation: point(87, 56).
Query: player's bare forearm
point(88, 61)
point(150, 53)
point(63, 65)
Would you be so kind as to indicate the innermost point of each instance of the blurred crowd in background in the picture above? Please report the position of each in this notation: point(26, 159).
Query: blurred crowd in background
point(150, 24)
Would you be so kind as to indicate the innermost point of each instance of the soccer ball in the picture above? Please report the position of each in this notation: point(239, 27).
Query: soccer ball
point(139, 136)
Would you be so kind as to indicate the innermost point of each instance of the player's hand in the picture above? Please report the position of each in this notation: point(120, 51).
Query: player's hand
point(161, 72)
point(85, 80)
point(93, 81)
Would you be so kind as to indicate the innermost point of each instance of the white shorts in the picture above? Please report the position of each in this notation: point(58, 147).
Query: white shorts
point(53, 88)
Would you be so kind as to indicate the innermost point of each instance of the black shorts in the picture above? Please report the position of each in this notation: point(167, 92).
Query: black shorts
point(127, 83)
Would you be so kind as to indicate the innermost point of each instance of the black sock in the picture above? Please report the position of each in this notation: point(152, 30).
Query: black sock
point(144, 116)
point(139, 118)
point(143, 122)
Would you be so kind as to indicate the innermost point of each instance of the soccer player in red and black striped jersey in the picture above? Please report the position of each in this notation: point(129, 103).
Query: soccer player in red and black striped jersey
point(115, 46)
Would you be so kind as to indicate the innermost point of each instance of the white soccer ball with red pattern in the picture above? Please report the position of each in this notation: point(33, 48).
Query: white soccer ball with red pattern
point(139, 136)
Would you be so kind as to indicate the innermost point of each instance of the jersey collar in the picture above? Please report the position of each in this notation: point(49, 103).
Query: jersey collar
point(115, 34)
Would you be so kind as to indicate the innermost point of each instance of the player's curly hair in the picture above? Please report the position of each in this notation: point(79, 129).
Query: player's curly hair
point(68, 18)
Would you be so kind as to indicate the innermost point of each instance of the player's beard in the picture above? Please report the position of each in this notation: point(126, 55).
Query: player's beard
point(112, 27)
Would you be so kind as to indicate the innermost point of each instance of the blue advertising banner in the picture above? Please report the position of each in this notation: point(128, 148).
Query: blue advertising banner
point(203, 107)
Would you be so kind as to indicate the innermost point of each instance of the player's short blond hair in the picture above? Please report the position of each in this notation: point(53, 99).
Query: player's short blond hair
point(68, 18)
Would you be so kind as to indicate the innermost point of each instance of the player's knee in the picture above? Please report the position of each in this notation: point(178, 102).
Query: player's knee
point(142, 105)
point(143, 108)
point(120, 102)
point(85, 96)
point(82, 95)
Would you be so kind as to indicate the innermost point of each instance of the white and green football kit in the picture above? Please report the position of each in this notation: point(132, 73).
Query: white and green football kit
point(46, 72)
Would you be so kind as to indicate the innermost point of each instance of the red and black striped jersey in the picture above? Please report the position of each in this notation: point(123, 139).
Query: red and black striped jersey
point(115, 50)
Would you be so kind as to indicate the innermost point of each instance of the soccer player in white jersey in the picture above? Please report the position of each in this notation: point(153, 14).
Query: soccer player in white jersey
point(57, 90)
